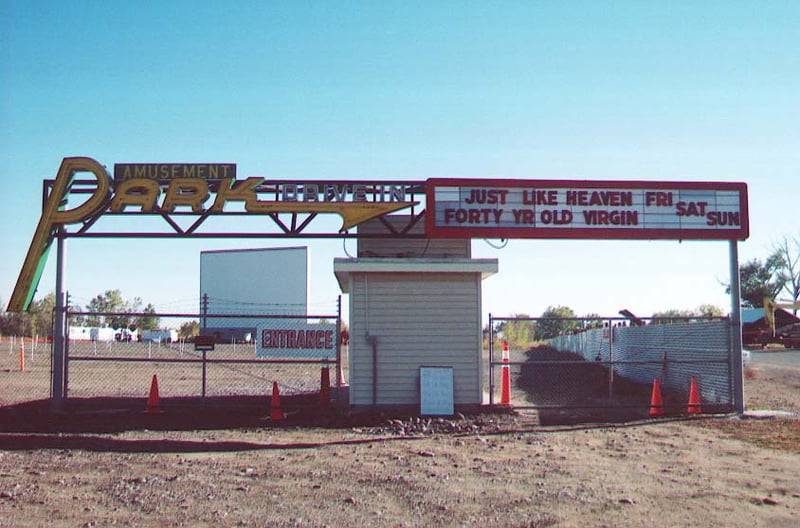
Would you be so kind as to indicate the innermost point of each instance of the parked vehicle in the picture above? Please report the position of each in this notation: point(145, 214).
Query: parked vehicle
point(756, 337)
point(790, 337)
point(124, 335)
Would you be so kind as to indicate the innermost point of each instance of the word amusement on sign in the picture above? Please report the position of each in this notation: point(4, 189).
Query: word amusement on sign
point(561, 209)
point(170, 171)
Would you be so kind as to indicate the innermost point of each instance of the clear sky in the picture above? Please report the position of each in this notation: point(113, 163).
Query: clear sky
point(674, 90)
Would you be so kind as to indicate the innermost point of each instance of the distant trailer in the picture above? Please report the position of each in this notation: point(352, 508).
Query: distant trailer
point(160, 336)
point(79, 333)
point(90, 333)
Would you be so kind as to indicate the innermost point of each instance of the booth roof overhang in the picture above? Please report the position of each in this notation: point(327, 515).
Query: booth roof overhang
point(344, 267)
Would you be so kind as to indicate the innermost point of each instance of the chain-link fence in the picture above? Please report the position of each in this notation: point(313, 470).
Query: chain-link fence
point(247, 356)
point(606, 367)
point(24, 369)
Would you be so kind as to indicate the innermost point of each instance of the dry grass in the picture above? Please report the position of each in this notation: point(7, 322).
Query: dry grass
point(781, 434)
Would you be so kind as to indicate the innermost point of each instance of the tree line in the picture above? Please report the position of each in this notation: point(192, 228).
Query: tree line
point(776, 276)
point(38, 320)
point(523, 330)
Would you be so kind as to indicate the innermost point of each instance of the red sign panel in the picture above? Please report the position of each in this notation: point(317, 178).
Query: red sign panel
point(463, 208)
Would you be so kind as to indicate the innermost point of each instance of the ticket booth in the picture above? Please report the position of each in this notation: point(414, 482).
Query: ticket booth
point(422, 309)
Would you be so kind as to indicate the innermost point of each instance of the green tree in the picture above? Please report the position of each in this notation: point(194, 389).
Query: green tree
point(119, 310)
point(710, 310)
point(110, 301)
point(556, 320)
point(758, 280)
point(789, 267)
point(520, 331)
point(189, 329)
point(15, 324)
point(593, 320)
point(673, 316)
point(146, 322)
point(41, 313)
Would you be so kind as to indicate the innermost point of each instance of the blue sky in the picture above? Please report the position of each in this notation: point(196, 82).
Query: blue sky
point(409, 90)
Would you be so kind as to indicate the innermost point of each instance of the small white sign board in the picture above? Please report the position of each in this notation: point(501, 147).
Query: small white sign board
point(436, 391)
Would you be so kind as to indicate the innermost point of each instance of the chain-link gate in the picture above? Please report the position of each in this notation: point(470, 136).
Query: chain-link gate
point(246, 359)
point(606, 367)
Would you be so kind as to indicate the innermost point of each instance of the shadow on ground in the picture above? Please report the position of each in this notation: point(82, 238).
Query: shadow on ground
point(565, 389)
point(114, 415)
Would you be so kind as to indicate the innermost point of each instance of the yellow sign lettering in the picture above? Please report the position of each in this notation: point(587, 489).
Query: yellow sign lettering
point(53, 215)
point(138, 191)
point(186, 191)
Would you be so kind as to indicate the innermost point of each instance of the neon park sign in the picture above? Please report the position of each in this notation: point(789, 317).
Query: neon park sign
point(162, 188)
point(586, 209)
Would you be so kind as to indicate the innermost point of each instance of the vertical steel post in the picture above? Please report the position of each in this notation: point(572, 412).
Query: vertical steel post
point(736, 331)
point(610, 361)
point(491, 360)
point(66, 344)
point(204, 311)
point(338, 340)
point(57, 385)
point(203, 390)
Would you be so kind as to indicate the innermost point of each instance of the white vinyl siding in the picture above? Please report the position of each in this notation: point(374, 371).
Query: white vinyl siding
point(414, 248)
point(392, 247)
point(427, 319)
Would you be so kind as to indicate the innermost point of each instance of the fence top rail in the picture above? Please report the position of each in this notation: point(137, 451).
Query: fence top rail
point(680, 318)
point(206, 315)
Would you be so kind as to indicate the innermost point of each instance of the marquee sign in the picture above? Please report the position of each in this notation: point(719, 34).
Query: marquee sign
point(461, 208)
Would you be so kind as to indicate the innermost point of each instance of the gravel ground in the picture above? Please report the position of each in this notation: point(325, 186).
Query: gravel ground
point(498, 469)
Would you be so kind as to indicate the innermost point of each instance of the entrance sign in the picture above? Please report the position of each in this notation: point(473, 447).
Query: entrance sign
point(462, 208)
point(296, 339)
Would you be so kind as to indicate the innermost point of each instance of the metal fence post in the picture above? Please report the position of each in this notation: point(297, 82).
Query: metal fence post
point(491, 360)
point(610, 361)
point(57, 381)
point(736, 330)
point(66, 350)
point(338, 340)
point(204, 311)
point(203, 390)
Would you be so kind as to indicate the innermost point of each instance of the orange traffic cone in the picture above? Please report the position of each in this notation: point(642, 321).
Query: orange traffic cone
point(694, 398)
point(505, 378)
point(275, 411)
point(325, 386)
point(340, 376)
point(656, 403)
point(153, 400)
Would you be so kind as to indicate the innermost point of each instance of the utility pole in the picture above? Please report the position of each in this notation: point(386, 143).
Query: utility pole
point(204, 310)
